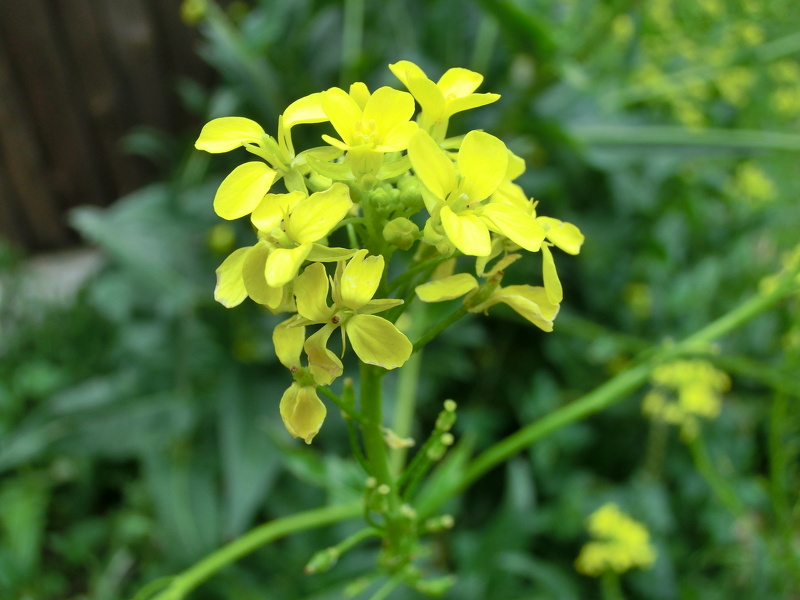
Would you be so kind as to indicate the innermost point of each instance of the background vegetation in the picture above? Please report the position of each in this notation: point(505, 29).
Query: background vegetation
point(139, 424)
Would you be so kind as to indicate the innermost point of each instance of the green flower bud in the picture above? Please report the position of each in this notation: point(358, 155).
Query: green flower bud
point(322, 561)
point(435, 587)
point(401, 232)
point(446, 418)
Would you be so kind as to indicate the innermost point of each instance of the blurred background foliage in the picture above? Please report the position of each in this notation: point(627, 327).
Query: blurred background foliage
point(139, 423)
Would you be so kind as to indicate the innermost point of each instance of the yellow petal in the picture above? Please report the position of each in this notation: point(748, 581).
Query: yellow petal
point(448, 288)
point(458, 105)
point(343, 113)
point(398, 138)
point(243, 189)
point(325, 365)
point(482, 162)
point(387, 108)
point(255, 281)
point(431, 165)
point(313, 218)
point(360, 279)
point(532, 303)
point(307, 109)
point(284, 263)
point(311, 293)
point(226, 133)
point(302, 411)
point(564, 235)
point(230, 290)
point(273, 208)
point(405, 70)
point(360, 93)
point(378, 342)
point(552, 284)
point(288, 340)
point(458, 82)
point(517, 225)
point(320, 253)
point(467, 232)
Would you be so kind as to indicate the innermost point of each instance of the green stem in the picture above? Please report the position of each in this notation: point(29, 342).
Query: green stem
point(371, 408)
point(749, 139)
point(184, 583)
point(715, 480)
point(619, 387)
point(406, 397)
point(441, 326)
point(610, 586)
point(340, 404)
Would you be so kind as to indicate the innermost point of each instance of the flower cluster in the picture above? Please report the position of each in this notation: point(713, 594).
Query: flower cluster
point(684, 391)
point(382, 182)
point(620, 543)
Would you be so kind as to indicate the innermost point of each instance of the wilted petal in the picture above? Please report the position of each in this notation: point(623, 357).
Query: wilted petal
point(302, 411)
point(226, 133)
point(325, 366)
point(378, 342)
point(467, 232)
point(288, 340)
point(448, 288)
point(243, 189)
point(230, 290)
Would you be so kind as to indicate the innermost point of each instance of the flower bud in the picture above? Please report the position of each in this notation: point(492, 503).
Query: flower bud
point(401, 232)
point(435, 587)
point(322, 561)
point(302, 411)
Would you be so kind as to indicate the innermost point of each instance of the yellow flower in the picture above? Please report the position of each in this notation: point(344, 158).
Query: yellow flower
point(685, 390)
point(528, 301)
point(456, 199)
point(242, 190)
point(375, 340)
point(302, 411)
point(289, 227)
point(620, 543)
point(452, 94)
point(378, 122)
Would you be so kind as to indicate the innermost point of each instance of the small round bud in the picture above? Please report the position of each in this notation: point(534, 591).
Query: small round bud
point(401, 232)
point(384, 489)
point(447, 439)
point(370, 482)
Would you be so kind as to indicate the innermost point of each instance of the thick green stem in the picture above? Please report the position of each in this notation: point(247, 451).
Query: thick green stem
point(372, 409)
point(184, 583)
